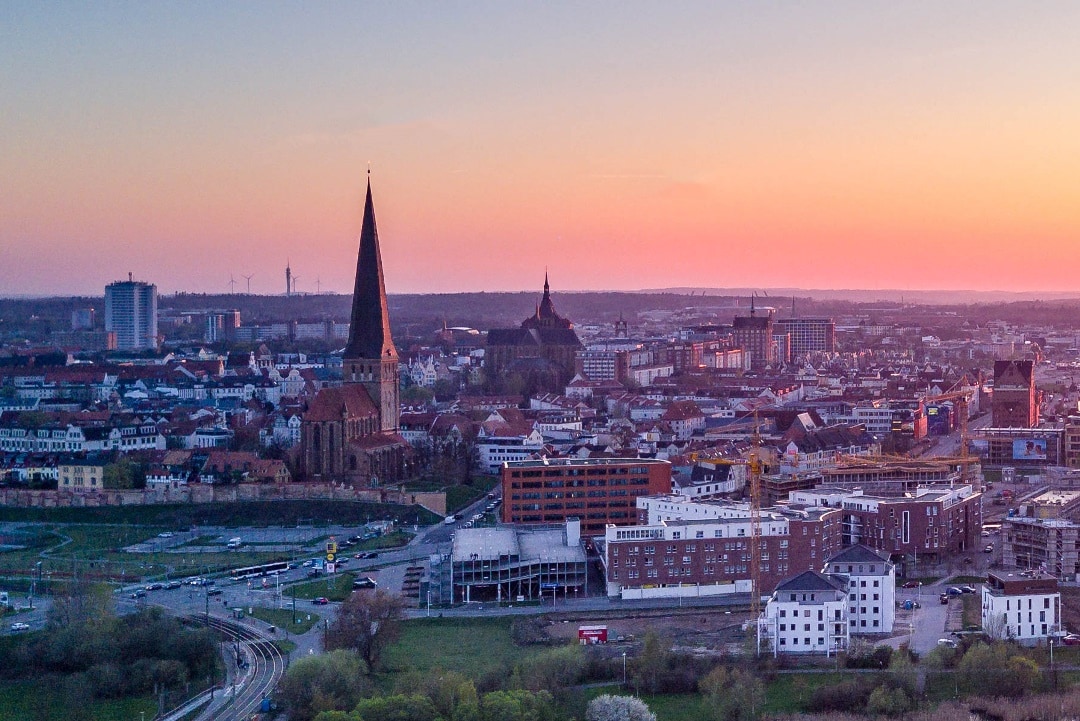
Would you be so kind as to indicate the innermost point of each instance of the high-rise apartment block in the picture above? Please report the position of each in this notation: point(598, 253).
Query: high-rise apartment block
point(131, 313)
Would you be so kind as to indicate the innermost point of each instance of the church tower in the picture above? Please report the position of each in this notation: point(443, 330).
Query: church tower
point(370, 357)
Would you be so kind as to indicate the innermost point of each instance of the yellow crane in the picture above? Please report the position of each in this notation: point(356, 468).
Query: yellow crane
point(755, 534)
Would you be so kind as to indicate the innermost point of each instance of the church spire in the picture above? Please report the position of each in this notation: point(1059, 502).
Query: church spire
point(369, 332)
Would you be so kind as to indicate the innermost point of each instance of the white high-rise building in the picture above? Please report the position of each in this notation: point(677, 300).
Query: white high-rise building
point(131, 313)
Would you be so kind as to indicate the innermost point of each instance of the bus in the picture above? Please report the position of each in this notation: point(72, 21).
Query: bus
point(265, 569)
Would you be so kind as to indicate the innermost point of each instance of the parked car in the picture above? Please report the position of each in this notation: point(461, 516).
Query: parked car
point(911, 584)
point(320, 601)
point(1071, 639)
point(951, 643)
point(173, 584)
point(139, 594)
point(155, 587)
point(364, 582)
point(214, 592)
point(943, 598)
point(989, 548)
point(967, 589)
point(20, 626)
point(953, 591)
point(165, 534)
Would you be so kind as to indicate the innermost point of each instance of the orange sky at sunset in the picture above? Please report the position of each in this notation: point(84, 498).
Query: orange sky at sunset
point(838, 145)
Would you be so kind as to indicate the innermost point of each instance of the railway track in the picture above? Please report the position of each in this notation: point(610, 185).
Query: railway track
point(266, 666)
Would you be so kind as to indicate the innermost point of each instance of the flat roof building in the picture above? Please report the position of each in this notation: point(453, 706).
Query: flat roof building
point(508, 564)
point(599, 491)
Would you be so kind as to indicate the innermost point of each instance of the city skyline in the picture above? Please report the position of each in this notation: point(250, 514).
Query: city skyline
point(849, 145)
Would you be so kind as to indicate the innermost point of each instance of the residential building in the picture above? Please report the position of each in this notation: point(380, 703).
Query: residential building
point(687, 549)
point(1050, 544)
point(131, 313)
point(81, 476)
point(1024, 607)
point(871, 588)
point(754, 334)
point(934, 523)
point(808, 613)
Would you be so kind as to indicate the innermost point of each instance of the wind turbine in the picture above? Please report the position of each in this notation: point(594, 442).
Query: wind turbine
point(232, 284)
point(248, 279)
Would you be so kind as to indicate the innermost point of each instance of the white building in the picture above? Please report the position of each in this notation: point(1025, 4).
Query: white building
point(1023, 606)
point(807, 613)
point(495, 450)
point(871, 588)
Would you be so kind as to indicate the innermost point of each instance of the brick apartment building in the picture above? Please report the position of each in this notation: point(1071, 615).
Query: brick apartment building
point(599, 491)
point(705, 551)
point(1014, 401)
point(932, 524)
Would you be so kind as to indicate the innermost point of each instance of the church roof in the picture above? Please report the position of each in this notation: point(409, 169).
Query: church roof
point(331, 404)
point(369, 332)
point(546, 317)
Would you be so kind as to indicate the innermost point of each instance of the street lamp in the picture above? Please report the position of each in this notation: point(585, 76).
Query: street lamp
point(624, 669)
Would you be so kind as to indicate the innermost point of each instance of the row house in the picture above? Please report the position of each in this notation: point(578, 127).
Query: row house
point(281, 430)
point(75, 439)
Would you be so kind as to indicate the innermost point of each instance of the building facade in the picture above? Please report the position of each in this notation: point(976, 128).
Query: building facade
point(871, 588)
point(1025, 607)
point(807, 613)
point(1013, 404)
point(599, 491)
point(131, 313)
point(809, 335)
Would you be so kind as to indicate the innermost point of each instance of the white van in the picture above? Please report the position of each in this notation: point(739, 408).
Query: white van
point(235, 542)
point(450, 520)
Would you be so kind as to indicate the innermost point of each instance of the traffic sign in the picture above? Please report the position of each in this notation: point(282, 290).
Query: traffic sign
point(329, 557)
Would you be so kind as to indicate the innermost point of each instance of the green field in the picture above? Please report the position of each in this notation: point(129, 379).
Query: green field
point(336, 588)
point(282, 618)
point(472, 646)
point(248, 513)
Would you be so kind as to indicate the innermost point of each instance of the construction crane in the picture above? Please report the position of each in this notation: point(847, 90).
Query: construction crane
point(960, 398)
point(755, 534)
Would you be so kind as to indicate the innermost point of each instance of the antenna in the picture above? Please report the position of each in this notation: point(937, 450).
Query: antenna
point(248, 279)
point(318, 285)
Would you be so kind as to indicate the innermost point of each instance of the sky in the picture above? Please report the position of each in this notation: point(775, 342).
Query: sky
point(619, 145)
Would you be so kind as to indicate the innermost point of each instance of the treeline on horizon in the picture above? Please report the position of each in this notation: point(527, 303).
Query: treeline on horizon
point(421, 314)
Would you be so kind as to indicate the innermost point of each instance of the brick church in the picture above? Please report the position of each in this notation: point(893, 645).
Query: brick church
point(349, 433)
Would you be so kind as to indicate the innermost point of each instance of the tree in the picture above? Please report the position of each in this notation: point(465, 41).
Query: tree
point(618, 708)
point(330, 682)
point(367, 623)
point(550, 670)
point(732, 694)
point(650, 665)
point(996, 669)
point(517, 706)
point(885, 701)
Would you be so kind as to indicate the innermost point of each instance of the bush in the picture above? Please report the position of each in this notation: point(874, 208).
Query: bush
point(848, 696)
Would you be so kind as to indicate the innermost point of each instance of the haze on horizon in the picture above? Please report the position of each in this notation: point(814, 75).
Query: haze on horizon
point(837, 145)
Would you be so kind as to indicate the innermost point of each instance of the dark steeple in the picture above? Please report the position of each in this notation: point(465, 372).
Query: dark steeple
point(369, 332)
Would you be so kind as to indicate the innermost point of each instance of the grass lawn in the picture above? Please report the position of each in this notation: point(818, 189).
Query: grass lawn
point(458, 497)
point(972, 610)
point(336, 588)
point(283, 618)
point(472, 646)
point(42, 700)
